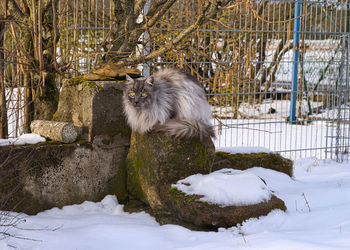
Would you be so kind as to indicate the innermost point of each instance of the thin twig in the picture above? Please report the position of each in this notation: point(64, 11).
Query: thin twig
point(18, 237)
point(242, 234)
point(255, 129)
point(306, 202)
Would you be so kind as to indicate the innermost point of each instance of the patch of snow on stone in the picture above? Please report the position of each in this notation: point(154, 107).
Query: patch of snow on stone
point(23, 139)
point(226, 187)
point(243, 150)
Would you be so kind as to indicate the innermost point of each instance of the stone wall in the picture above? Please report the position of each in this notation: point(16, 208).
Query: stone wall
point(52, 174)
point(43, 176)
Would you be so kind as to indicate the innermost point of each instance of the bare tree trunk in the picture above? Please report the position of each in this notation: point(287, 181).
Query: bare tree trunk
point(36, 56)
point(3, 109)
point(28, 85)
point(46, 98)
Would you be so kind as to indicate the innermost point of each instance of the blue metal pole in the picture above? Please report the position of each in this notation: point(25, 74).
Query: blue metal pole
point(296, 39)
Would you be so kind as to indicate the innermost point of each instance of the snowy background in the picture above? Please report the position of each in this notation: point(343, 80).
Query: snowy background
point(317, 217)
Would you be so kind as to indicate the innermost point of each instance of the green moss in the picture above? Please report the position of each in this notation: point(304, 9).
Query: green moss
point(134, 185)
point(75, 81)
point(106, 78)
point(55, 116)
point(81, 141)
point(176, 193)
point(188, 201)
point(89, 84)
point(262, 154)
point(173, 189)
point(244, 161)
point(119, 185)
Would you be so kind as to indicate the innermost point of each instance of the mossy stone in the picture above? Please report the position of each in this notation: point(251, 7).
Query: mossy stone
point(189, 211)
point(244, 161)
point(155, 159)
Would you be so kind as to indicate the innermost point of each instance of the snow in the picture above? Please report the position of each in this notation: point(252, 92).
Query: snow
point(15, 102)
point(291, 141)
point(317, 217)
point(243, 150)
point(227, 187)
point(263, 130)
point(263, 110)
point(23, 139)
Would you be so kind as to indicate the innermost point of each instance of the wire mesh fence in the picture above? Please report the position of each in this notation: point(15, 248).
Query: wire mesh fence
point(245, 63)
point(244, 60)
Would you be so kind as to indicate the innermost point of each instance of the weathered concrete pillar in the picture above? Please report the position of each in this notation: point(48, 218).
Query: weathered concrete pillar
point(94, 106)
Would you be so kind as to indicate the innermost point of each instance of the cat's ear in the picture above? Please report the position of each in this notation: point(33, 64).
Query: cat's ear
point(126, 85)
point(150, 81)
point(128, 78)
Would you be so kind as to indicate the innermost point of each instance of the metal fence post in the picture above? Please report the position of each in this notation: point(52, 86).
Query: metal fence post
point(296, 47)
point(147, 49)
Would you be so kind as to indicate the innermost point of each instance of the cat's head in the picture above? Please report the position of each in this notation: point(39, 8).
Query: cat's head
point(138, 92)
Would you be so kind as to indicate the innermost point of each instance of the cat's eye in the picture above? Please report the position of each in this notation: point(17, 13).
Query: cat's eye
point(132, 94)
point(144, 94)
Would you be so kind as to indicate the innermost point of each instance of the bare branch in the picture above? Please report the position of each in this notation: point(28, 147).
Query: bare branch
point(279, 53)
point(139, 6)
point(153, 17)
point(155, 7)
point(201, 19)
point(40, 35)
point(24, 7)
point(16, 10)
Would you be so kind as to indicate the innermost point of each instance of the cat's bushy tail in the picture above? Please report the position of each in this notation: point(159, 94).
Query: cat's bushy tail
point(187, 129)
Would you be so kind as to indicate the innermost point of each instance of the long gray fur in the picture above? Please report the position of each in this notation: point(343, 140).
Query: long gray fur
point(174, 103)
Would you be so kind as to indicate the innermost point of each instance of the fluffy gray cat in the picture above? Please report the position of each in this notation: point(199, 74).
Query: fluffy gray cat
point(170, 101)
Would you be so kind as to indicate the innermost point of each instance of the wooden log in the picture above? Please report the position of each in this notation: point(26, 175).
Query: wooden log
point(59, 131)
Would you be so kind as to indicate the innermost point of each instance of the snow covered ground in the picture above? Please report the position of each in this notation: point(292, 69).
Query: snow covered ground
point(318, 202)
